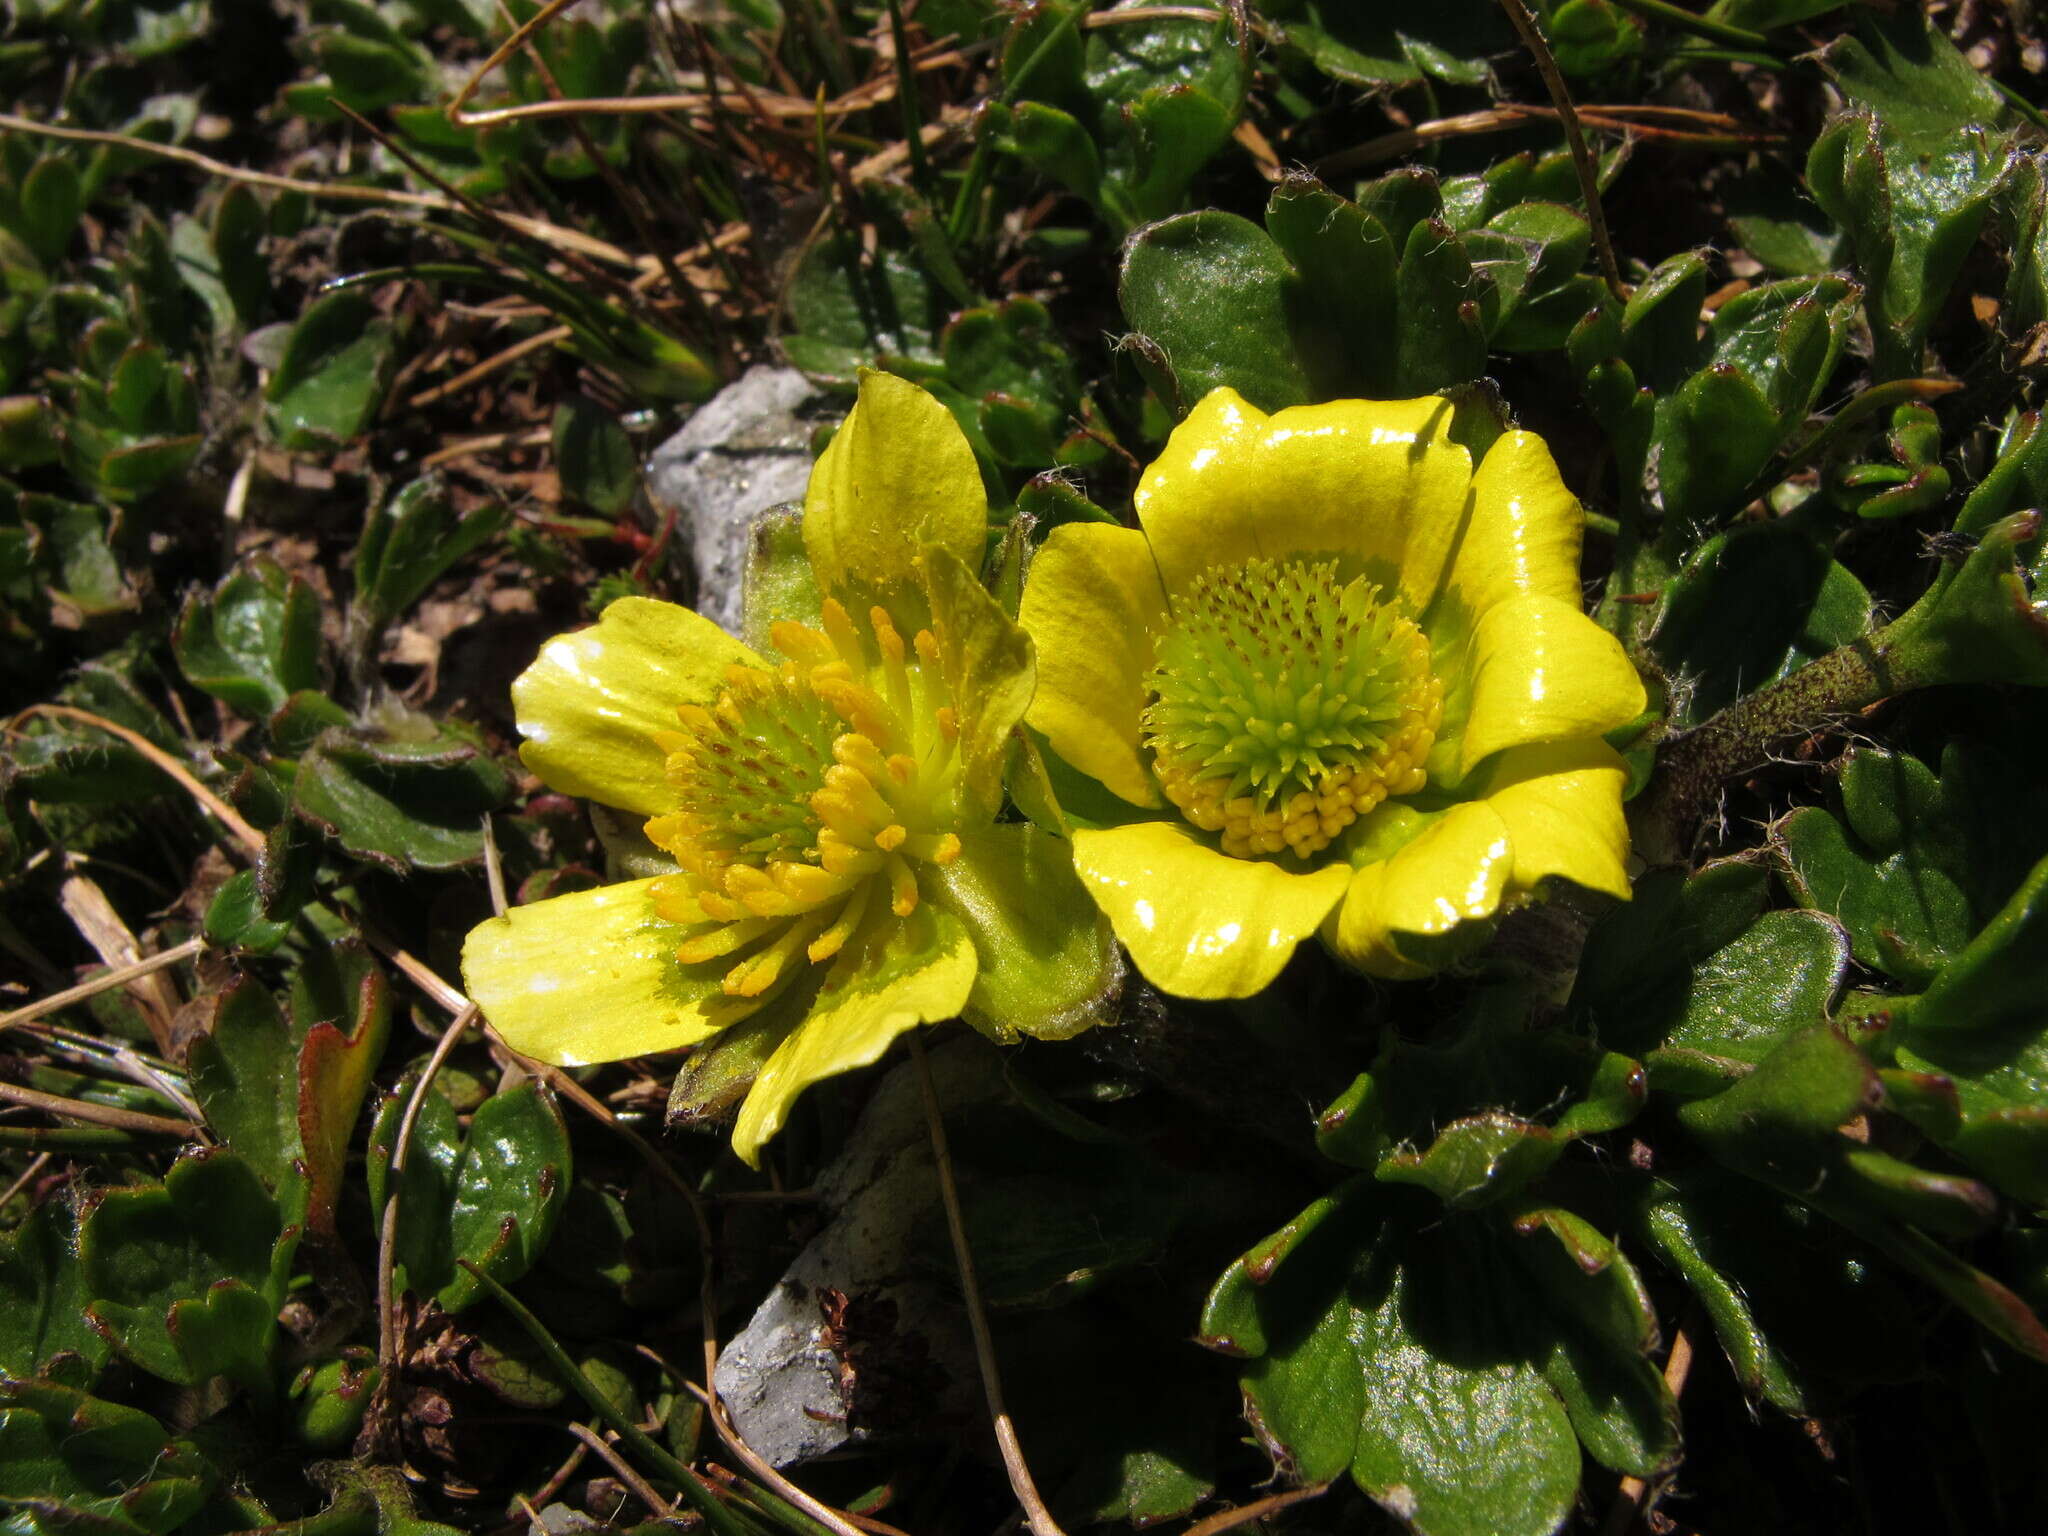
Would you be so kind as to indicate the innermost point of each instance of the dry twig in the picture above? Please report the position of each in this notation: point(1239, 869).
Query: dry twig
point(101, 983)
point(221, 811)
point(1036, 1515)
point(99, 1114)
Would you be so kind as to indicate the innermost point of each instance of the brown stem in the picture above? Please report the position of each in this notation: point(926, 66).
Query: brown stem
point(1693, 766)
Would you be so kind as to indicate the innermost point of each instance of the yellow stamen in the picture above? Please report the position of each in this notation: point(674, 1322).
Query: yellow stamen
point(757, 973)
point(902, 885)
point(932, 847)
point(833, 939)
point(845, 638)
point(723, 941)
point(800, 643)
point(840, 857)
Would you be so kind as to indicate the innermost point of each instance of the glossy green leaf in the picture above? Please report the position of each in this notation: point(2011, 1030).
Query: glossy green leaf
point(409, 542)
point(1751, 606)
point(1477, 1161)
point(1694, 965)
point(1440, 331)
point(1913, 182)
point(1216, 294)
point(332, 1075)
point(1915, 864)
point(237, 239)
point(95, 1466)
point(1979, 620)
point(1347, 304)
point(1384, 1349)
point(146, 1251)
point(42, 1297)
point(1716, 433)
point(1599, 1346)
point(1398, 42)
point(401, 803)
point(594, 457)
point(337, 362)
point(490, 1197)
point(254, 641)
point(235, 918)
point(243, 1072)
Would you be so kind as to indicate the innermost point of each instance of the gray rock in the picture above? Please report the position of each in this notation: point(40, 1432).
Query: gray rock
point(778, 1379)
point(745, 451)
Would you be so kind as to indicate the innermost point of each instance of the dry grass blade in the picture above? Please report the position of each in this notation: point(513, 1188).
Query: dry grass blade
point(1258, 1509)
point(1036, 1515)
point(623, 1469)
point(99, 1114)
point(225, 814)
point(332, 191)
point(1582, 157)
point(26, 1177)
point(387, 1234)
point(839, 1524)
point(1628, 1498)
point(105, 981)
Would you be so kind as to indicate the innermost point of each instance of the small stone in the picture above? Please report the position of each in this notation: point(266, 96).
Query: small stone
point(744, 452)
point(779, 1376)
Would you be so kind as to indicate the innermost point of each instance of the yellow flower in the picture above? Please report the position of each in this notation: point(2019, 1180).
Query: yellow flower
point(1341, 683)
point(822, 804)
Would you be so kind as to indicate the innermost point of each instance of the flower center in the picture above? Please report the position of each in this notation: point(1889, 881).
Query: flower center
point(1285, 706)
point(807, 795)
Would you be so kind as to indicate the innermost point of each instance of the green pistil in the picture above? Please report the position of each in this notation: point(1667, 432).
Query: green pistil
point(753, 765)
point(1275, 675)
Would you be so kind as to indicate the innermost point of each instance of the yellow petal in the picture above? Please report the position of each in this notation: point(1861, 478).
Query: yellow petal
point(1349, 479)
point(1519, 538)
point(1561, 805)
point(591, 702)
point(593, 976)
point(1452, 872)
point(1542, 671)
point(1091, 605)
point(919, 970)
point(1197, 922)
point(898, 476)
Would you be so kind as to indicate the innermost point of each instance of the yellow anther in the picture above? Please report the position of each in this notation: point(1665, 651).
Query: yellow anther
point(860, 754)
point(754, 890)
point(723, 941)
point(845, 637)
point(902, 885)
point(927, 645)
point(807, 884)
point(675, 902)
point(902, 768)
point(949, 722)
point(858, 792)
point(887, 639)
point(800, 643)
point(934, 848)
point(841, 857)
point(833, 939)
point(758, 972)
point(719, 906)
point(891, 837)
